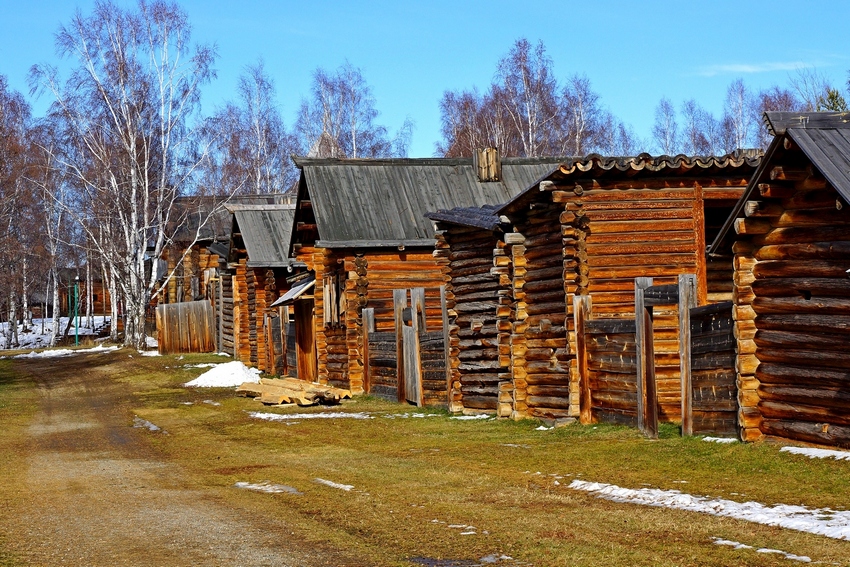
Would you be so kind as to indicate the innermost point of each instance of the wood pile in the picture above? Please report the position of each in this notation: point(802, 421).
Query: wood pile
point(277, 391)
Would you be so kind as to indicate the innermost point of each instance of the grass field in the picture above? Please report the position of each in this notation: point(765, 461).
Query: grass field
point(426, 488)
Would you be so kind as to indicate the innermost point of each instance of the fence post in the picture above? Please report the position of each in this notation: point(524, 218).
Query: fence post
point(647, 399)
point(581, 313)
point(399, 304)
point(687, 300)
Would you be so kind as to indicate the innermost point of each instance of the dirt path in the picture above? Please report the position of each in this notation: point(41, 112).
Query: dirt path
point(95, 493)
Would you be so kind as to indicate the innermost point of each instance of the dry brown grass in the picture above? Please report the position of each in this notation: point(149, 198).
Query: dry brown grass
point(413, 478)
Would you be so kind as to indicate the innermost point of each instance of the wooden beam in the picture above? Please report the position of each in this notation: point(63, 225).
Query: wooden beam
point(581, 313)
point(687, 301)
point(646, 392)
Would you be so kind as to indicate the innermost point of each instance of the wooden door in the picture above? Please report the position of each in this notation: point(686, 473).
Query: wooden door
point(305, 340)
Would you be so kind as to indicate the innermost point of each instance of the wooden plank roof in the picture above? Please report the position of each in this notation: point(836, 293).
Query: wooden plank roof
point(824, 138)
point(359, 203)
point(596, 166)
point(265, 230)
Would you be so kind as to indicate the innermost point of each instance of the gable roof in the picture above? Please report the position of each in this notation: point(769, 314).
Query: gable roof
point(265, 230)
point(642, 165)
point(383, 202)
point(824, 138)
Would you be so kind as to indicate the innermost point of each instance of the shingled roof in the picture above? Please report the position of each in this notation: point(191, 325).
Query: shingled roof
point(598, 166)
point(376, 203)
point(824, 138)
point(265, 230)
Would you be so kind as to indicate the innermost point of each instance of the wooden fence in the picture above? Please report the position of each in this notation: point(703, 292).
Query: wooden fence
point(410, 363)
point(616, 362)
point(185, 327)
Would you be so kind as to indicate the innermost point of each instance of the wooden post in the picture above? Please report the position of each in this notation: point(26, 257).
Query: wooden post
point(412, 355)
point(446, 346)
point(581, 313)
point(399, 303)
point(647, 403)
point(687, 300)
point(368, 315)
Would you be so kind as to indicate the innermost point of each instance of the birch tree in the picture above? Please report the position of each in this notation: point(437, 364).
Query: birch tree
point(127, 111)
point(339, 119)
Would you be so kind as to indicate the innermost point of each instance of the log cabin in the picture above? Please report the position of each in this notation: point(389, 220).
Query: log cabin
point(789, 237)
point(360, 229)
point(588, 228)
point(259, 271)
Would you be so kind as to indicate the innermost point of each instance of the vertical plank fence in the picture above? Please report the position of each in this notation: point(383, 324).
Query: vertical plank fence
point(185, 327)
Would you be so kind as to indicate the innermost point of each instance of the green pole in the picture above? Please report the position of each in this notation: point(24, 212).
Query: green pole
point(77, 311)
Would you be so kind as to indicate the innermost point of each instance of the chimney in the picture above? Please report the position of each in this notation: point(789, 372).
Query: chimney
point(488, 165)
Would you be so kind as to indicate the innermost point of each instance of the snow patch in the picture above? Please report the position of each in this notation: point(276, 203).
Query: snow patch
point(737, 545)
point(149, 353)
point(543, 428)
point(227, 375)
point(151, 342)
point(140, 423)
point(820, 521)
point(267, 487)
point(817, 453)
point(471, 417)
point(332, 484)
point(323, 415)
point(62, 352)
point(720, 439)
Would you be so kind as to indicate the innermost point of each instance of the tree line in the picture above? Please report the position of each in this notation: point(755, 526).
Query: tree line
point(95, 185)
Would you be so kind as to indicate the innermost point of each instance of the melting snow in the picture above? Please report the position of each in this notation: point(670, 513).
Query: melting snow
point(60, 352)
point(267, 487)
point(332, 484)
point(720, 439)
point(737, 545)
point(324, 415)
point(229, 374)
point(138, 422)
point(821, 521)
point(471, 417)
point(818, 453)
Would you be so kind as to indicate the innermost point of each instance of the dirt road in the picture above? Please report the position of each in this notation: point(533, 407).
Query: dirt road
point(96, 493)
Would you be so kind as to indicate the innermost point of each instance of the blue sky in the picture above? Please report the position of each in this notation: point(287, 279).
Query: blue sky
point(410, 53)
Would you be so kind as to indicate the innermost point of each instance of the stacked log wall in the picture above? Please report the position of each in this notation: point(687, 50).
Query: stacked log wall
point(792, 309)
point(386, 271)
point(472, 300)
point(617, 234)
point(540, 356)
point(227, 336)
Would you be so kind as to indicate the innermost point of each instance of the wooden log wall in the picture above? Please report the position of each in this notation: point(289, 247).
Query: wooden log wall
point(540, 356)
point(433, 362)
point(792, 308)
point(714, 406)
point(227, 336)
point(612, 371)
point(472, 297)
point(614, 234)
point(383, 365)
point(381, 272)
point(291, 358)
